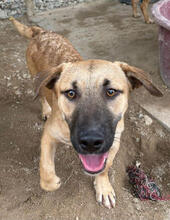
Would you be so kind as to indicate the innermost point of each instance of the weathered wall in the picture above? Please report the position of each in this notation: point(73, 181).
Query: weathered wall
point(18, 8)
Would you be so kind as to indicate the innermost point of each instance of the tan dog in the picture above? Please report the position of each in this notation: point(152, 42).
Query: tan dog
point(144, 8)
point(85, 103)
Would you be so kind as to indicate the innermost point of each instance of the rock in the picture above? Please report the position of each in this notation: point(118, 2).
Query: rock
point(148, 120)
point(138, 207)
point(18, 92)
point(3, 14)
point(136, 200)
point(141, 115)
point(25, 76)
point(137, 140)
point(38, 126)
point(9, 84)
point(18, 7)
point(26, 170)
point(160, 133)
point(30, 92)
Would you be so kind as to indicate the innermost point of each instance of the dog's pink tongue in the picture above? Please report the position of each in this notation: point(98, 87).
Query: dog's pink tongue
point(93, 162)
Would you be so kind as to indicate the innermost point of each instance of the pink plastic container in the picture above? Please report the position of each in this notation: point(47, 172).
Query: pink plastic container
point(161, 13)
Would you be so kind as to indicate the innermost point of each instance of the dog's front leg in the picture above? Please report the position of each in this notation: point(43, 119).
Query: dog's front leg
point(48, 179)
point(104, 191)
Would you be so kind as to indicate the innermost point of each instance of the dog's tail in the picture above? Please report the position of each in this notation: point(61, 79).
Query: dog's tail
point(28, 32)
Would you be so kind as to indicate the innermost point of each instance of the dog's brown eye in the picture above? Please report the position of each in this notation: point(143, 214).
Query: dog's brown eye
point(71, 94)
point(111, 92)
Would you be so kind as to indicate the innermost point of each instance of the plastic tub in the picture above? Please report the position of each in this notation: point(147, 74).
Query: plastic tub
point(161, 13)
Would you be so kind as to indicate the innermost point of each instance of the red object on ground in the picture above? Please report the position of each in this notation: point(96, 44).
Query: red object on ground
point(144, 187)
point(161, 13)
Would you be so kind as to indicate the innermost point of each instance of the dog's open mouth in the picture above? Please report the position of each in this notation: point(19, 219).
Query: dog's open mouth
point(93, 163)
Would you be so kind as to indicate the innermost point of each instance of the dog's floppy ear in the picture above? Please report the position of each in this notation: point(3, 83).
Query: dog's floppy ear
point(47, 79)
point(138, 77)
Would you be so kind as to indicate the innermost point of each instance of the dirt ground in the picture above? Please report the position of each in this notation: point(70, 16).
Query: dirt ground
point(102, 30)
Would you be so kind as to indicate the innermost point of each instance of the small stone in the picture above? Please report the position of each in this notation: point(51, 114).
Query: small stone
point(8, 77)
point(141, 115)
point(135, 200)
point(138, 163)
point(137, 140)
point(138, 207)
point(160, 133)
point(148, 120)
point(38, 126)
point(9, 84)
point(26, 170)
point(28, 189)
point(30, 92)
point(18, 92)
point(3, 14)
point(25, 76)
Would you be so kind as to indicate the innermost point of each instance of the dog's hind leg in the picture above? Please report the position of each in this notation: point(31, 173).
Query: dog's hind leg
point(144, 7)
point(46, 109)
point(134, 7)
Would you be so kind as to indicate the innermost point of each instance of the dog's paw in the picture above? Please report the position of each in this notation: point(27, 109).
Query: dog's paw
point(137, 15)
point(45, 117)
point(46, 110)
point(105, 194)
point(149, 21)
point(46, 114)
point(50, 185)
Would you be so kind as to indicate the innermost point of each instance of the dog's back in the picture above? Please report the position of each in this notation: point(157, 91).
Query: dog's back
point(49, 49)
point(46, 48)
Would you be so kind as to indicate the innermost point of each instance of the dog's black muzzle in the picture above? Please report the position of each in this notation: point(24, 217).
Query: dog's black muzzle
point(91, 140)
point(92, 132)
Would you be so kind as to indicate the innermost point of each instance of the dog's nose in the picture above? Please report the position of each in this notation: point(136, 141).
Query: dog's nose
point(91, 142)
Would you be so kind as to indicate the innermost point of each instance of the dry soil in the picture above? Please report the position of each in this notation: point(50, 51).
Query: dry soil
point(104, 30)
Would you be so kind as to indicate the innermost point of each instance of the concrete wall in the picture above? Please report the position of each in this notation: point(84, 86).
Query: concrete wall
point(18, 7)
